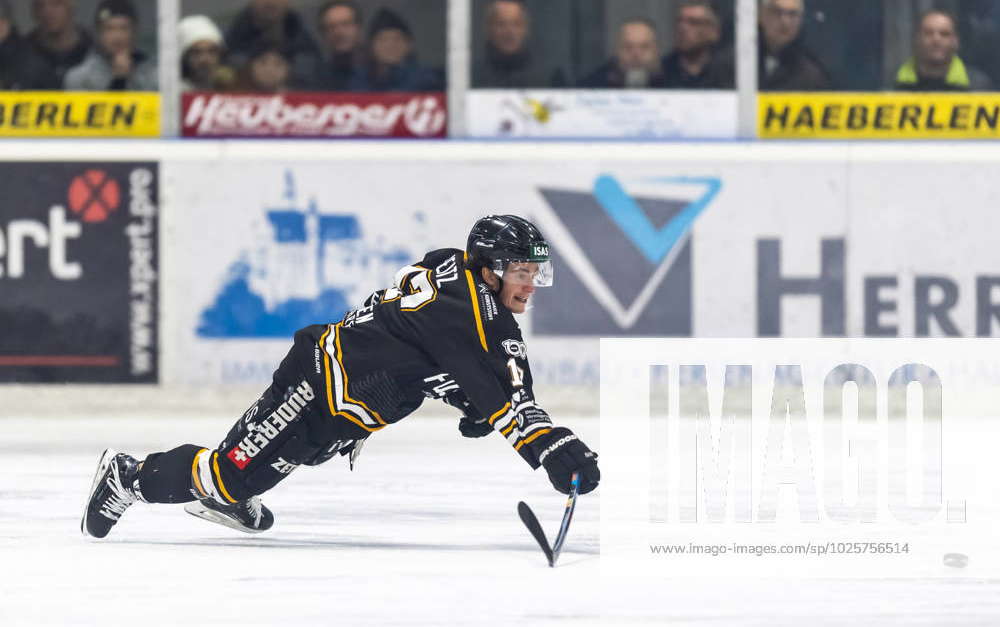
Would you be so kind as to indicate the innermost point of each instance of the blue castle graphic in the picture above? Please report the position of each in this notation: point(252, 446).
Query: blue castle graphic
point(315, 268)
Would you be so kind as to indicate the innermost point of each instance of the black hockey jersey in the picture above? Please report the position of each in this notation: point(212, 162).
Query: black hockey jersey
point(438, 332)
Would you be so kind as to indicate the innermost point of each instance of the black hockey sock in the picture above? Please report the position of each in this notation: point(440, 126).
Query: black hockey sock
point(166, 477)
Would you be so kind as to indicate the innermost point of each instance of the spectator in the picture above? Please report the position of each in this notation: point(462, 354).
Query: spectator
point(11, 49)
point(393, 65)
point(56, 44)
point(274, 23)
point(980, 28)
point(935, 64)
point(636, 64)
point(696, 61)
point(783, 62)
point(507, 61)
point(201, 56)
point(340, 26)
point(115, 64)
point(268, 70)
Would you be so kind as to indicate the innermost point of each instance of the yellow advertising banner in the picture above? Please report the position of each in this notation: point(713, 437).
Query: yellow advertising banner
point(895, 115)
point(79, 114)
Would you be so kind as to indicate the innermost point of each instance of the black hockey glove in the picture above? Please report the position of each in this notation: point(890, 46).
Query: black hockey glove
point(561, 453)
point(469, 426)
point(474, 429)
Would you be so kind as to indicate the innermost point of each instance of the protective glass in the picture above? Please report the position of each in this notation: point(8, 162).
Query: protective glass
point(537, 273)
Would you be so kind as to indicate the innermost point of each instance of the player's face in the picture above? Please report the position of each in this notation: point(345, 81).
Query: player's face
point(515, 296)
point(517, 286)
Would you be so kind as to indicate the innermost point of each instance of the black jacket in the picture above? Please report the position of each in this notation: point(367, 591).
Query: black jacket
point(797, 69)
point(45, 69)
point(407, 76)
point(11, 52)
point(496, 70)
point(718, 73)
point(338, 72)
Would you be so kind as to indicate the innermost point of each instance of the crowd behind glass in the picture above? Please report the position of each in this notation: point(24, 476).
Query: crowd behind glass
point(369, 46)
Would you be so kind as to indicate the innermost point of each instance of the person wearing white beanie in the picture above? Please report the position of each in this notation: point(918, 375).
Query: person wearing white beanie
point(201, 45)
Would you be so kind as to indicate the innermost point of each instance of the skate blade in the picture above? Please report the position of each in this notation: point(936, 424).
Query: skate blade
point(200, 511)
point(102, 467)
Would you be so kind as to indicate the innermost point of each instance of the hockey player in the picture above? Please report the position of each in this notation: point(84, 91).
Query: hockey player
point(444, 330)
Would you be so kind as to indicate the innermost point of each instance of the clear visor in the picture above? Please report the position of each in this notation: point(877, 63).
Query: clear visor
point(537, 273)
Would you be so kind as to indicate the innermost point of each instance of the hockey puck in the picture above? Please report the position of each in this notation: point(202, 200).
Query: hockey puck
point(956, 560)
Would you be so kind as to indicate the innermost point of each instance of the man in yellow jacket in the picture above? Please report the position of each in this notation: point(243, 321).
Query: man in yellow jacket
point(935, 64)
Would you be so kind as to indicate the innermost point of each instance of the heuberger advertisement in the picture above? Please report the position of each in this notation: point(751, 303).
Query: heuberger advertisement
point(79, 114)
point(901, 115)
point(314, 115)
point(601, 113)
point(78, 272)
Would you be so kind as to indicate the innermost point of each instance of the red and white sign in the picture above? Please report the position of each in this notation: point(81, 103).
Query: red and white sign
point(308, 114)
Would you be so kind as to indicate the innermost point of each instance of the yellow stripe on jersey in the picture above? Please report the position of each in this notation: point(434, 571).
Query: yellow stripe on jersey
point(500, 412)
point(329, 383)
point(194, 474)
point(218, 478)
point(510, 427)
point(531, 438)
point(326, 372)
point(475, 310)
point(343, 371)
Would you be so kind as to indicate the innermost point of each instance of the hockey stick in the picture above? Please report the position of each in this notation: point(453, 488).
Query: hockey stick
point(535, 528)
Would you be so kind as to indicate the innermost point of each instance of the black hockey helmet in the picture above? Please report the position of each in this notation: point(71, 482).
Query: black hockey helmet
point(497, 241)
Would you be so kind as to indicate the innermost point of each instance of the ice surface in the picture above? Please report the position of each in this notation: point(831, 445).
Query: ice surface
point(423, 532)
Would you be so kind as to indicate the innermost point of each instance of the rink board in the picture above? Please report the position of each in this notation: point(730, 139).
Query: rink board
point(681, 240)
point(734, 243)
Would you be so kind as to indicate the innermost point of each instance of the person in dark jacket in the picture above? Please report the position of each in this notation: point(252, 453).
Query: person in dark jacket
point(636, 64)
point(784, 63)
point(56, 44)
point(696, 61)
point(935, 64)
point(274, 22)
point(507, 61)
point(340, 25)
point(393, 65)
point(11, 49)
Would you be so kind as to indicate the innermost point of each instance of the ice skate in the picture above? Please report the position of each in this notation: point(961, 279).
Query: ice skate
point(248, 516)
point(111, 493)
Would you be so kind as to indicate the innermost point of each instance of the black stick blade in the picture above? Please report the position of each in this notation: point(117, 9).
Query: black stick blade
point(535, 528)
